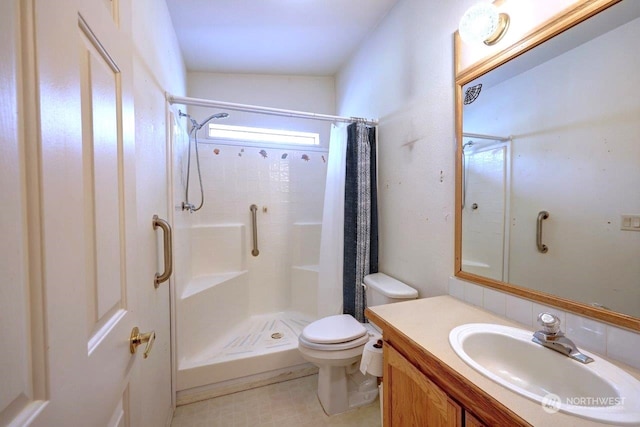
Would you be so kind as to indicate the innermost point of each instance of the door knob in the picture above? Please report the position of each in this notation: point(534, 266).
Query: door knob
point(137, 338)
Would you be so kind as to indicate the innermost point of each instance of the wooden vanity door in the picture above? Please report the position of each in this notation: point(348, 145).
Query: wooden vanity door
point(471, 421)
point(411, 399)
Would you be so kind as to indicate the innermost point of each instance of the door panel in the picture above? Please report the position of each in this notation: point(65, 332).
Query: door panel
point(120, 417)
point(19, 394)
point(103, 193)
point(88, 208)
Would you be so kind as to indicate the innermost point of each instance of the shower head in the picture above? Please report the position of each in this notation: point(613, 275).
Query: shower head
point(211, 117)
point(219, 116)
point(468, 144)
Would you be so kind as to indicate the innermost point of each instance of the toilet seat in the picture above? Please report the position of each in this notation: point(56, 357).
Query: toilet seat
point(334, 347)
point(336, 344)
point(340, 328)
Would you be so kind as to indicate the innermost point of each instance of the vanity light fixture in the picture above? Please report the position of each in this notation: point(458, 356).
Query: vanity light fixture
point(482, 23)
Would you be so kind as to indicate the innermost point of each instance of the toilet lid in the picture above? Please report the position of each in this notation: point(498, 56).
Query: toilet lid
point(334, 329)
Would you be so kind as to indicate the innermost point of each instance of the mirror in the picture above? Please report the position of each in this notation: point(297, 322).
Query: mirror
point(556, 130)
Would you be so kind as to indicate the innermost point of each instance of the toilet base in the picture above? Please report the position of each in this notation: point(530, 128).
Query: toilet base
point(341, 389)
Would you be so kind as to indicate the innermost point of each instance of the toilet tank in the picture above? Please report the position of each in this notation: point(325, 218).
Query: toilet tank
point(383, 289)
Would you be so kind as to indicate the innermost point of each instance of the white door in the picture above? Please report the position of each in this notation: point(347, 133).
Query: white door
point(76, 225)
point(21, 386)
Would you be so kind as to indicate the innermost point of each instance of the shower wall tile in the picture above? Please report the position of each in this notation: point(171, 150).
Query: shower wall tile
point(287, 190)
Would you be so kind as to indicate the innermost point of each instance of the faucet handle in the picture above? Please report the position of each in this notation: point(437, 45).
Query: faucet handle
point(550, 322)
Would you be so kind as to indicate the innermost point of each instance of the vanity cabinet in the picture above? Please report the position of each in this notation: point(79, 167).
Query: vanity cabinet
point(471, 421)
point(411, 399)
point(422, 390)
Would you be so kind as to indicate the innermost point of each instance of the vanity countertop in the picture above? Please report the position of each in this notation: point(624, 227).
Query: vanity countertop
point(426, 323)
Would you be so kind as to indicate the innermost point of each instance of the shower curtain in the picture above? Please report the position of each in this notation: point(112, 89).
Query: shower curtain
point(331, 240)
point(360, 217)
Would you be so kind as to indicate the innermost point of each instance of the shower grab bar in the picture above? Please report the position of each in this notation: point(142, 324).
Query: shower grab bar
point(168, 250)
point(254, 223)
point(542, 248)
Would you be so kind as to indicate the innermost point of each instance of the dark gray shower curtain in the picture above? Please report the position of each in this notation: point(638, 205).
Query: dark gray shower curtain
point(360, 217)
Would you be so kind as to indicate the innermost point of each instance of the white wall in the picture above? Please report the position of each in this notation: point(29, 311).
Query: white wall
point(575, 154)
point(403, 74)
point(301, 93)
point(156, 48)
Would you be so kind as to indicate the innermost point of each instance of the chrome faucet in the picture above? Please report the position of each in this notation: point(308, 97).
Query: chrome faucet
point(552, 337)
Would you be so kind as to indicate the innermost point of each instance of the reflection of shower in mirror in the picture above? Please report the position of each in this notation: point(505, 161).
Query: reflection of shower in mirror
point(485, 182)
point(464, 173)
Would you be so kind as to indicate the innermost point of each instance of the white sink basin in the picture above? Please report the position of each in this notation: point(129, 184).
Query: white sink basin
point(599, 391)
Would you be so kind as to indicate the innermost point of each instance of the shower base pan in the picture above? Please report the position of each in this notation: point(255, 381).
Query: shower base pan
point(259, 344)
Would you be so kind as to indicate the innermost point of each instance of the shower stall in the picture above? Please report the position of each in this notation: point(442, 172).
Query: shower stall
point(486, 183)
point(239, 311)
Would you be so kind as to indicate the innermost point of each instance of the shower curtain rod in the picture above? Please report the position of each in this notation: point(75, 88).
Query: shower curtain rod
point(480, 136)
point(198, 102)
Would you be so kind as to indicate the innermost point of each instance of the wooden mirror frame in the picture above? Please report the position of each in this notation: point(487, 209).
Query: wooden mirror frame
point(577, 13)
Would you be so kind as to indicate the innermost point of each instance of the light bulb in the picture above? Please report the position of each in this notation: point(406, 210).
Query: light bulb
point(479, 23)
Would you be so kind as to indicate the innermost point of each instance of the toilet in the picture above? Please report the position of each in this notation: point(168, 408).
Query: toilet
point(335, 344)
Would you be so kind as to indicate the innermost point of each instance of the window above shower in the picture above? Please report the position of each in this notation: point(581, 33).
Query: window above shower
point(260, 137)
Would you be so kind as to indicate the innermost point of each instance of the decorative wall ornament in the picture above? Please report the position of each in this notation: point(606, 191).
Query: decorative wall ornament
point(472, 93)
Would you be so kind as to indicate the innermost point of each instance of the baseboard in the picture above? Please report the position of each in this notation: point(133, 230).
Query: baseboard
point(210, 391)
point(169, 419)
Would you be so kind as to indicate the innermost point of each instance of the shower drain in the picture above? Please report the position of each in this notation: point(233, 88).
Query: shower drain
point(277, 335)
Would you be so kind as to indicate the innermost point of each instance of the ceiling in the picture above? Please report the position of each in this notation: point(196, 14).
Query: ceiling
point(297, 37)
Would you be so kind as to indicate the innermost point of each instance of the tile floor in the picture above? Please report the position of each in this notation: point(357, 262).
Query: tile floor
point(288, 404)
